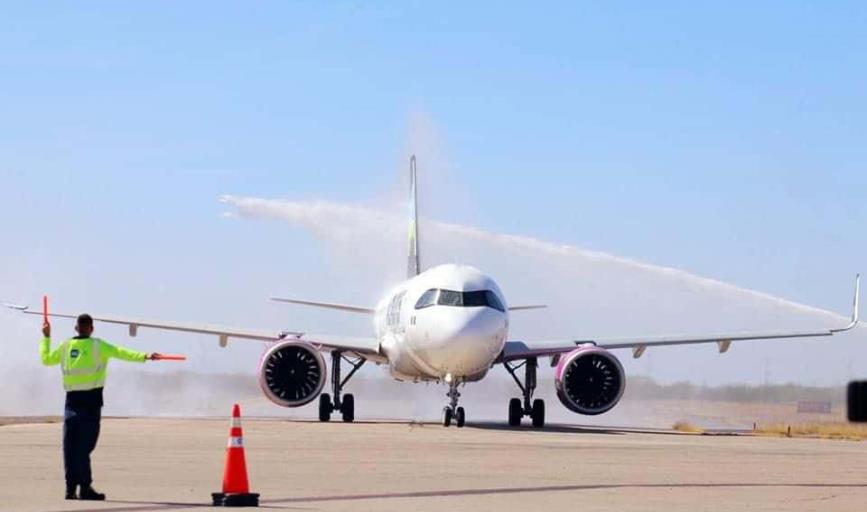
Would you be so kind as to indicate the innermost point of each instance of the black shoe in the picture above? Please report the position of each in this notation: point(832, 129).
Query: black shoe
point(88, 494)
point(70, 493)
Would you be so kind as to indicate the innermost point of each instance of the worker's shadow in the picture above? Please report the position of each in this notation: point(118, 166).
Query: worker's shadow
point(281, 503)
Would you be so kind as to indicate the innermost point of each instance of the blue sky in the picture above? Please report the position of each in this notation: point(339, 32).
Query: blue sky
point(727, 140)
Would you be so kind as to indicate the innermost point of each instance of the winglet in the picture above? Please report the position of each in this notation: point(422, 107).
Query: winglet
point(856, 307)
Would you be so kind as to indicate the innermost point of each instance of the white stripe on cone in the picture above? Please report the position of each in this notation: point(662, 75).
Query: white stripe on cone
point(236, 442)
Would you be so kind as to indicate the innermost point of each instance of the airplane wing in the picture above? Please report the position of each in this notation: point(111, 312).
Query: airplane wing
point(515, 350)
point(365, 347)
point(326, 305)
point(524, 308)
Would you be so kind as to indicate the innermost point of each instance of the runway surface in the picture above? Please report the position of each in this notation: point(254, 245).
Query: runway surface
point(169, 464)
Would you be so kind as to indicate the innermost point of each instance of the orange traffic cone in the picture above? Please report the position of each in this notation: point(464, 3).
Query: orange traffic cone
point(236, 488)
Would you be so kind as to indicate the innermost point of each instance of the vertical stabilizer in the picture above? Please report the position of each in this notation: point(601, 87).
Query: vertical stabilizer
point(414, 263)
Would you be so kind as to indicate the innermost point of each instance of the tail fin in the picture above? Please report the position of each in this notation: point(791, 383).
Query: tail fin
point(414, 263)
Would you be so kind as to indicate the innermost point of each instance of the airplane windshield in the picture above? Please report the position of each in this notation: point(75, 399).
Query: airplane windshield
point(427, 299)
point(481, 298)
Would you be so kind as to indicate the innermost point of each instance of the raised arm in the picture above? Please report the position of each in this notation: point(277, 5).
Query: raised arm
point(49, 357)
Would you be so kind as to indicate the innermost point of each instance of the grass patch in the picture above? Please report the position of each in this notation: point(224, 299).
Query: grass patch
point(687, 427)
point(829, 430)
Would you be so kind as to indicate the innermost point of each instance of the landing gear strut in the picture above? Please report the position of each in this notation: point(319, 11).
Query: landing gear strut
point(518, 408)
point(346, 404)
point(452, 411)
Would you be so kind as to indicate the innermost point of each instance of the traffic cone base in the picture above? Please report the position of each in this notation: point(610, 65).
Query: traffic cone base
point(236, 488)
point(235, 500)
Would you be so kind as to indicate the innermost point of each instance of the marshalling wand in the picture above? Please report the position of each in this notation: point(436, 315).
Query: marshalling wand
point(168, 357)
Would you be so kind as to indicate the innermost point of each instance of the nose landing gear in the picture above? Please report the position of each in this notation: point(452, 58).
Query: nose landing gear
point(346, 404)
point(518, 408)
point(452, 411)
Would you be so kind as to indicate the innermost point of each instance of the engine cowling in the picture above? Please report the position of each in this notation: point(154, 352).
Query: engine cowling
point(589, 380)
point(292, 373)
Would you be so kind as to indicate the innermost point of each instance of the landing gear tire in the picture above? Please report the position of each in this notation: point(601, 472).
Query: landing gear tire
point(343, 403)
point(460, 417)
point(347, 408)
point(519, 408)
point(516, 412)
point(538, 413)
point(325, 407)
point(447, 416)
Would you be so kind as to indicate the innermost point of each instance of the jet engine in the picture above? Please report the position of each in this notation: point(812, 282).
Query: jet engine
point(589, 380)
point(292, 373)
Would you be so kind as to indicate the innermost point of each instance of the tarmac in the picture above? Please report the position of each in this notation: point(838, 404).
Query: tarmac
point(174, 464)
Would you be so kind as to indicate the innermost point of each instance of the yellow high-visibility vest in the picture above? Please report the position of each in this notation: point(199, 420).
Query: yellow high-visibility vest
point(83, 361)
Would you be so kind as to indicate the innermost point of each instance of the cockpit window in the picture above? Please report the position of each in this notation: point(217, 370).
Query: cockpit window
point(427, 299)
point(493, 301)
point(451, 298)
point(475, 299)
point(481, 298)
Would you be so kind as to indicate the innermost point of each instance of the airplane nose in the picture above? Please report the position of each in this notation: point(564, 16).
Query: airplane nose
point(485, 324)
point(465, 341)
point(471, 324)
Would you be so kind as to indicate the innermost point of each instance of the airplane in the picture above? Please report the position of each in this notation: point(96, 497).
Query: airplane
point(447, 324)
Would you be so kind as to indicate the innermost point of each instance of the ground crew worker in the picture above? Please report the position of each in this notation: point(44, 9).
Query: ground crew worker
point(83, 360)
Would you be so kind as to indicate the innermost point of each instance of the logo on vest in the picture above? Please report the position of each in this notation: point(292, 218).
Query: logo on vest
point(73, 353)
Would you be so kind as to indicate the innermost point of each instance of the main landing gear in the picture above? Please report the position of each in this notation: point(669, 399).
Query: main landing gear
point(346, 404)
point(518, 408)
point(452, 411)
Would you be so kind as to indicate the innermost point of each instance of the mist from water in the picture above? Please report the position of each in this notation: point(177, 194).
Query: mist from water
point(360, 252)
point(589, 293)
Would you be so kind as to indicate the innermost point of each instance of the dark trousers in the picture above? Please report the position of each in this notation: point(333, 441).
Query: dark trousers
point(80, 433)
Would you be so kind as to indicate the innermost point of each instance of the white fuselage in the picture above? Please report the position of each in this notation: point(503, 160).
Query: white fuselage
point(448, 323)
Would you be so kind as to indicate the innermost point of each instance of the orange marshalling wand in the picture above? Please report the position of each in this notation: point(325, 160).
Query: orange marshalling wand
point(168, 357)
point(45, 309)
